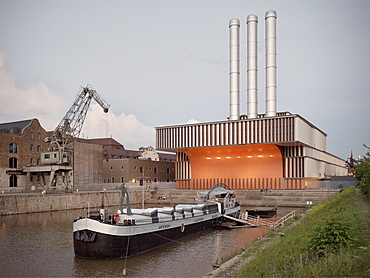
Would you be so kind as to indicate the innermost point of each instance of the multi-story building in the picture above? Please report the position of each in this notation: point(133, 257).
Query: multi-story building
point(253, 151)
point(142, 167)
point(96, 163)
point(20, 145)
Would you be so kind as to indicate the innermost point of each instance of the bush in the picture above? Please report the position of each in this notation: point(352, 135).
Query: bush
point(362, 173)
point(329, 236)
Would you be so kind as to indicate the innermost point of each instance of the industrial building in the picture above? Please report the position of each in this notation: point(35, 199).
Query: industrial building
point(96, 163)
point(278, 150)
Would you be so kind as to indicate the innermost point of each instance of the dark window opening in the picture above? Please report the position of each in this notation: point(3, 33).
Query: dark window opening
point(13, 162)
point(13, 148)
point(13, 182)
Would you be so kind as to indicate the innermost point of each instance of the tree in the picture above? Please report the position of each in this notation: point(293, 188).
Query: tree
point(362, 173)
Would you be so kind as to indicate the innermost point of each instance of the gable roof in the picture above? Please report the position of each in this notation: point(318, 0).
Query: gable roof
point(15, 127)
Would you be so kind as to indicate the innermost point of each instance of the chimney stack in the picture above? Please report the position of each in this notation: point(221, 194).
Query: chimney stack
point(252, 66)
point(270, 59)
point(234, 26)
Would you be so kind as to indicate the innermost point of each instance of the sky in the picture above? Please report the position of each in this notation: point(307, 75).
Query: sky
point(162, 63)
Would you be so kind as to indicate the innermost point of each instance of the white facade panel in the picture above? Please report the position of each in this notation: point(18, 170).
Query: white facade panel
point(308, 134)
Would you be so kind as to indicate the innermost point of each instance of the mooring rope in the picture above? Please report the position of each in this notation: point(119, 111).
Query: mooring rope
point(128, 244)
point(162, 236)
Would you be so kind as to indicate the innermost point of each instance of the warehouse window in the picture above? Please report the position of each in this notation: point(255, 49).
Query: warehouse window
point(13, 148)
point(13, 162)
point(13, 181)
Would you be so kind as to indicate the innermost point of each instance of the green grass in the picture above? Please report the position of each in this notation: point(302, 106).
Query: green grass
point(333, 240)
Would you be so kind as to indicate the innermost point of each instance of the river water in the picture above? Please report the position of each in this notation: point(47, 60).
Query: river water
point(41, 245)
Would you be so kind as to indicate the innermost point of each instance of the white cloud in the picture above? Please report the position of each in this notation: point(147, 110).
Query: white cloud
point(126, 129)
point(193, 121)
point(36, 101)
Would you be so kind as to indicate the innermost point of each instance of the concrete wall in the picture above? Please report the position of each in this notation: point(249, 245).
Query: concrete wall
point(28, 203)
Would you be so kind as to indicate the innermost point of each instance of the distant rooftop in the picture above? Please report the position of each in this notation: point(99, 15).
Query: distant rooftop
point(15, 127)
point(115, 150)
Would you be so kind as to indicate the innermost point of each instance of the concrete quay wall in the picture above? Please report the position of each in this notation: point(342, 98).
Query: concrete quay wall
point(252, 198)
point(29, 203)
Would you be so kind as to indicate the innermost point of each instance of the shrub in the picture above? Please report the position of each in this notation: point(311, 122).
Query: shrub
point(329, 236)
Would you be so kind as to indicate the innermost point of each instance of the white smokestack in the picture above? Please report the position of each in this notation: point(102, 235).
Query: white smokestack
point(270, 19)
point(252, 68)
point(234, 26)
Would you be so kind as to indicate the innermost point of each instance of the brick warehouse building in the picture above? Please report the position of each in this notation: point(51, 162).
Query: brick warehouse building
point(95, 161)
point(21, 144)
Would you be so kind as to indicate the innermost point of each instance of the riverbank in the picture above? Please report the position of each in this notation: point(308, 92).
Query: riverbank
point(291, 251)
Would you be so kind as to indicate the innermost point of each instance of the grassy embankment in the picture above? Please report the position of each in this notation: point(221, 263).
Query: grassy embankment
point(333, 240)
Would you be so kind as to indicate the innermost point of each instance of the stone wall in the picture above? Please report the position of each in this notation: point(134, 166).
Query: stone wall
point(29, 203)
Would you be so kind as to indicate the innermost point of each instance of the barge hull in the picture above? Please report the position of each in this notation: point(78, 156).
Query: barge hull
point(105, 246)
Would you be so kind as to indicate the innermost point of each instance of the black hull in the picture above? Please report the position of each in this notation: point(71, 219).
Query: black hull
point(103, 246)
point(264, 212)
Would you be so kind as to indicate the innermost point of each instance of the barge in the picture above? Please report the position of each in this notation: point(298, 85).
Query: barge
point(101, 235)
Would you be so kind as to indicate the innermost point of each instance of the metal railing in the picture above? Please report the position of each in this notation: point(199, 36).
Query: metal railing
point(271, 222)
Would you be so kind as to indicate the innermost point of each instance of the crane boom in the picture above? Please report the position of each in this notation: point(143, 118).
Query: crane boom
point(62, 139)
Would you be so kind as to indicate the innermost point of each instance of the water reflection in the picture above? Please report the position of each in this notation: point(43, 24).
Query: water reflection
point(41, 245)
